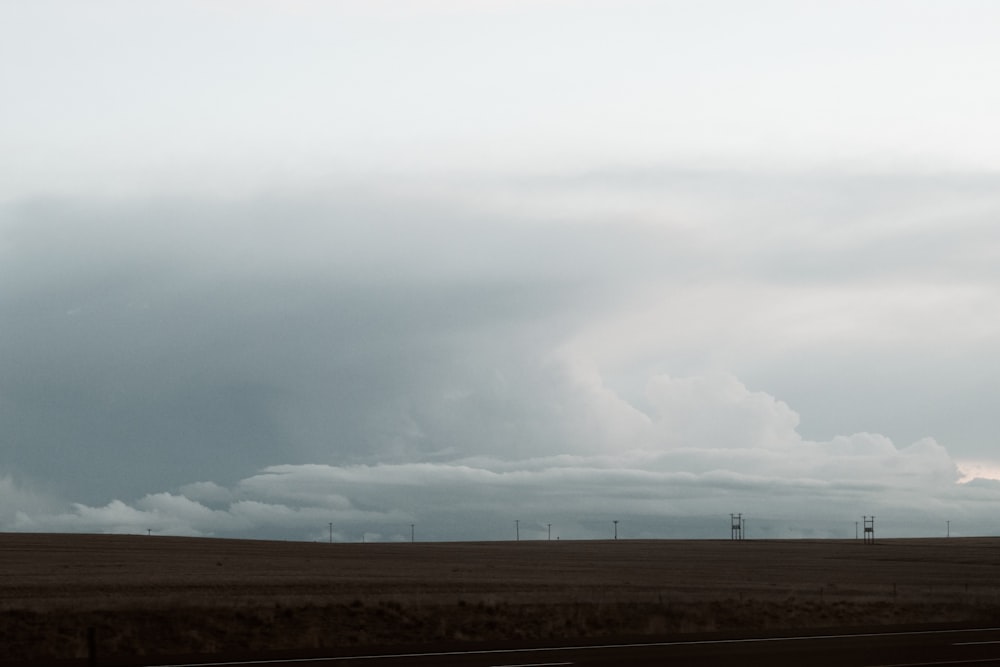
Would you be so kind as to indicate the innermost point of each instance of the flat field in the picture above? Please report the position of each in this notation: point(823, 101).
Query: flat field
point(148, 595)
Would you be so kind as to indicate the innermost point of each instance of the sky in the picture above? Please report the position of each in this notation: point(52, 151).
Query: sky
point(479, 269)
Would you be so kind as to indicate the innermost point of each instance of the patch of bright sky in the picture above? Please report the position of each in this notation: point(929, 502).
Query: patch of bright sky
point(971, 470)
point(275, 92)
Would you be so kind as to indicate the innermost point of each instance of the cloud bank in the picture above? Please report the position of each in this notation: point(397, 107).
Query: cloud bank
point(749, 459)
point(471, 355)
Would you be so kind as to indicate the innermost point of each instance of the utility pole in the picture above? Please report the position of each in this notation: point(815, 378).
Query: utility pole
point(517, 530)
point(411, 533)
point(616, 528)
point(855, 530)
point(550, 532)
point(948, 529)
point(331, 532)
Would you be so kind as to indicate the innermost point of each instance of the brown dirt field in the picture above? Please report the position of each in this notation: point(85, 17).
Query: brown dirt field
point(160, 595)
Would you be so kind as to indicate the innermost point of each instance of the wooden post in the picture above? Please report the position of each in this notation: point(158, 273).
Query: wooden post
point(92, 647)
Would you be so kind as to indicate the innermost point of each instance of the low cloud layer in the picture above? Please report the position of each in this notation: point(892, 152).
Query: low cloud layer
point(750, 460)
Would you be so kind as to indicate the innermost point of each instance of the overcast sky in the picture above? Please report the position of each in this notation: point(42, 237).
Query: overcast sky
point(271, 265)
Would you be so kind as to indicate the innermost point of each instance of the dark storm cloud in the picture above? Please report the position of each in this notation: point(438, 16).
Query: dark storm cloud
point(145, 340)
point(263, 366)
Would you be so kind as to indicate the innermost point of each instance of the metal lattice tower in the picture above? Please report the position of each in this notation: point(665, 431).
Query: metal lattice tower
point(869, 529)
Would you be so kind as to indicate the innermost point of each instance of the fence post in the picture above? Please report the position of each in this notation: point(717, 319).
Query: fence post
point(92, 647)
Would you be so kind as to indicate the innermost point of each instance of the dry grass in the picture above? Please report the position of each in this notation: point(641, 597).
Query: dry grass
point(180, 595)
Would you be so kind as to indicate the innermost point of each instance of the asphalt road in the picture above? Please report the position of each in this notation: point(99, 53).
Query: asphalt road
point(882, 648)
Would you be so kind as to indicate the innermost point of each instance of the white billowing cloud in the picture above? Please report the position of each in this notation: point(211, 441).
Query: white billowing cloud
point(168, 506)
point(712, 447)
point(686, 412)
point(119, 517)
point(160, 513)
point(523, 410)
point(208, 493)
point(175, 514)
point(309, 485)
